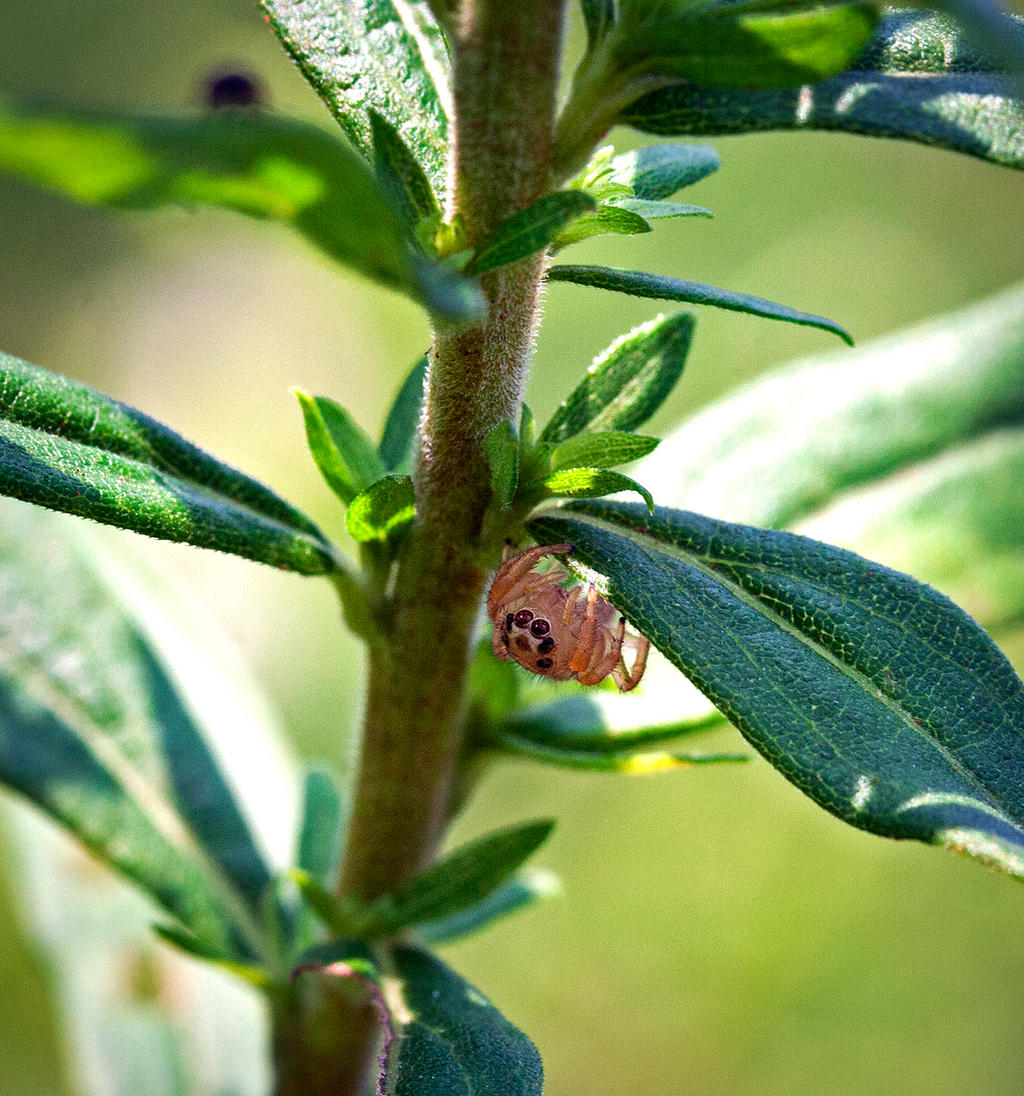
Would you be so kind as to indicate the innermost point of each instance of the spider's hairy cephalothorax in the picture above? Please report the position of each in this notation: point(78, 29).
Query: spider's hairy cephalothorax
point(562, 633)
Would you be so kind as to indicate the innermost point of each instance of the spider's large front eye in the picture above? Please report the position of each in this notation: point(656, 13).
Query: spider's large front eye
point(540, 627)
point(523, 617)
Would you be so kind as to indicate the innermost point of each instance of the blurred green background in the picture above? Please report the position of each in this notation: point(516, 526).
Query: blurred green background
point(718, 934)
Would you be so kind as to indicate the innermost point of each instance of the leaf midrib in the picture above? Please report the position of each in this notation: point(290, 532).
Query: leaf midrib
point(920, 729)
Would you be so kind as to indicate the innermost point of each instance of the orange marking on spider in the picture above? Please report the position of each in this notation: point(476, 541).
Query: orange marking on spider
point(555, 632)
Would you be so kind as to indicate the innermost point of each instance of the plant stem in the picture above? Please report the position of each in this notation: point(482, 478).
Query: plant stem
point(505, 65)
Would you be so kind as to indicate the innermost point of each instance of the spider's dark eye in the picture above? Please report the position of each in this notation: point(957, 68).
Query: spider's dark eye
point(508, 623)
point(546, 645)
point(523, 617)
point(540, 627)
point(544, 663)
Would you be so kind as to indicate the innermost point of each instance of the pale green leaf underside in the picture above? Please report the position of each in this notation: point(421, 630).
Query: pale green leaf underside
point(382, 511)
point(918, 80)
point(872, 693)
point(361, 55)
point(69, 448)
point(93, 731)
point(640, 283)
point(264, 165)
point(656, 172)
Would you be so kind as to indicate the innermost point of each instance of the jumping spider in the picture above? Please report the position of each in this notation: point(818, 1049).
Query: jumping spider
point(556, 632)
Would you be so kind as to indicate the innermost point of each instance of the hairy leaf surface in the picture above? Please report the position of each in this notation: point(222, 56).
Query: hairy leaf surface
point(399, 434)
point(530, 230)
point(455, 1043)
point(871, 692)
point(69, 448)
point(384, 55)
point(918, 80)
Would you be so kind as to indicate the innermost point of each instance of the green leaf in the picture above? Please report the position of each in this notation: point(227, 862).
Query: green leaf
point(373, 54)
point(524, 888)
point(992, 30)
point(628, 382)
point(191, 945)
point(658, 171)
point(321, 829)
point(575, 483)
point(639, 283)
point(605, 220)
point(382, 511)
point(599, 18)
point(95, 734)
point(918, 80)
point(600, 722)
point(605, 449)
point(257, 163)
point(402, 424)
point(66, 447)
point(872, 693)
point(346, 457)
point(793, 441)
point(455, 1042)
point(530, 230)
point(400, 173)
point(729, 45)
point(626, 762)
point(502, 448)
point(461, 880)
point(654, 211)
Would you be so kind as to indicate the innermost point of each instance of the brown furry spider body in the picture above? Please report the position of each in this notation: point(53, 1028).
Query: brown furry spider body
point(559, 633)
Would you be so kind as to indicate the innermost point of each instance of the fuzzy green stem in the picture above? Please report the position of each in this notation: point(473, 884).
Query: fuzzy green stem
point(505, 66)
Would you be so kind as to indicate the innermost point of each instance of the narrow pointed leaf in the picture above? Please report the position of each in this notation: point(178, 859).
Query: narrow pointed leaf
point(346, 457)
point(66, 447)
point(461, 879)
point(455, 1042)
point(639, 283)
point(382, 511)
point(320, 831)
point(385, 55)
point(627, 762)
point(599, 18)
point(654, 211)
point(658, 171)
point(579, 483)
point(918, 80)
point(530, 230)
point(748, 48)
point(526, 887)
point(192, 945)
point(502, 448)
point(874, 694)
point(261, 164)
point(400, 428)
point(604, 221)
point(600, 723)
point(94, 733)
point(795, 440)
point(605, 449)
point(628, 382)
point(400, 173)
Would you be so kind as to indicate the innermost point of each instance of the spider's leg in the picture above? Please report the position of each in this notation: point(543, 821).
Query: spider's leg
point(605, 658)
point(588, 634)
point(571, 598)
point(629, 679)
point(514, 571)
